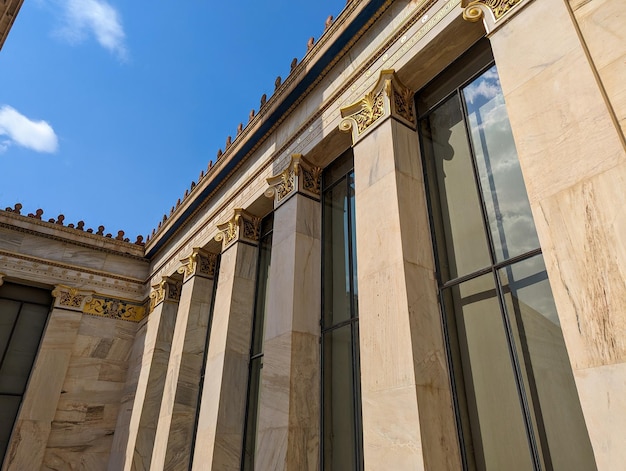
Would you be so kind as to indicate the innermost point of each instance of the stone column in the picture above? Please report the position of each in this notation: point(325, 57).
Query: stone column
point(174, 435)
point(219, 436)
point(153, 343)
point(31, 431)
point(573, 158)
point(288, 423)
point(408, 419)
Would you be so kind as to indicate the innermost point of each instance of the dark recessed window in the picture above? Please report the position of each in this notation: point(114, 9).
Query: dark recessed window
point(23, 315)
point(341, 396)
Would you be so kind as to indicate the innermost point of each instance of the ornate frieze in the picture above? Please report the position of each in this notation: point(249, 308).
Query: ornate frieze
point(200, 262)
point(70, 298)
point(167, 290)
point(114, 309)
point(299, 176)
point(492, 12)
point(389, 97)
point(243, 226)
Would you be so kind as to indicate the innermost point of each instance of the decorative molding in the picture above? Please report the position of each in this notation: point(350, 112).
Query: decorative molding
point(200, 262)
point(243, 226)
point(70, 298)
point(2, 275)
point(167, 290)
point(114, 309)
point(300, 176)
point(389, 97)
point(492, 12)
point(50, 272)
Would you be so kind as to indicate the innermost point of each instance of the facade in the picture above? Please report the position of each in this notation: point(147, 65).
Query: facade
point(411, 257)
point(8, 11)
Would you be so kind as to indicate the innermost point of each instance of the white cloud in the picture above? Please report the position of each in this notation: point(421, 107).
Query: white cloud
point(97, 18)
point(18, 129)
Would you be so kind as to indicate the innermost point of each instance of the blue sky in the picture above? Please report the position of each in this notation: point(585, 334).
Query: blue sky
point(109, 108)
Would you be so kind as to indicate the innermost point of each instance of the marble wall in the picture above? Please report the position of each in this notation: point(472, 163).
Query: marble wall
point(558, 62)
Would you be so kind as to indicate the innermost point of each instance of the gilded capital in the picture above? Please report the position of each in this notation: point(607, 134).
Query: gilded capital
point(389, 97)
point(300, 176)
point(242, 226)
point(200, 262)
point(492, 12)
point(66, 297)
point(167, 290)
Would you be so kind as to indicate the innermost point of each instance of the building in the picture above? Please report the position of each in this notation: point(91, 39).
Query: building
point(411, 257)
point(8, 11)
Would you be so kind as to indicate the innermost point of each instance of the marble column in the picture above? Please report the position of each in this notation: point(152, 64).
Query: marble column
point(573, 158)
point(174, 435)
point(153, 345)
point(33, 425)
point(408, 419)
point(288, 423)
point(219, 436)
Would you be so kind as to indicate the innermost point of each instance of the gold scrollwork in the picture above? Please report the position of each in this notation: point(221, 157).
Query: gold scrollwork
point(70, 297)
point(388, 97)
point(199, 262)
point(473, 10)
point(114, 309)
point(167, 289)
point(242, 225)
point(300, 175)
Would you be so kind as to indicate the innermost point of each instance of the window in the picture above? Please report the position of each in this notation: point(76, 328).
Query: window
point(23, 315)
point(341, 397)
point(256, 350)
point(516, 399)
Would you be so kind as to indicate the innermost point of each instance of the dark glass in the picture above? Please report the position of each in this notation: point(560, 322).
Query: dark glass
point(504, 194)
point(339, 420)
point(256, 349)
point(336, 255)
point(9, 406)
point(341, 409)
point(557, 415)
point(9, 310)
point(460, 233)
point(496, 416)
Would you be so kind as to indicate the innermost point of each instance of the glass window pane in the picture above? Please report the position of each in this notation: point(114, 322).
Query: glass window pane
point(263, 279)
point(510, 220)
point(497, 423)
point(355, 284)
point(339, 425)
point(8, 314)
point(22, 348)
point(256, 367)
point(553, 398)
point(460, 234)
point(336, 260)
point(9, 406)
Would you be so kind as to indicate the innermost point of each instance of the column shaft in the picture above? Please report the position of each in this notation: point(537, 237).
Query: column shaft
point(219, 436)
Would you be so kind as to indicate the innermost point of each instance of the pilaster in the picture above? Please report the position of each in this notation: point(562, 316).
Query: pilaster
point(288, 423)
point(552, 77)
point(174, 435)
point(32, 429)
point(408, 420)
point(153, 343)
point(219, 435)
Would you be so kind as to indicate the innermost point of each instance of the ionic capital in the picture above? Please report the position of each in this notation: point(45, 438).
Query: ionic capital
point(73, 299)
point(200, 262)
point(494, 13)
point(242, 226)
point(168, 290)
point(300, 176)
point(389, 97)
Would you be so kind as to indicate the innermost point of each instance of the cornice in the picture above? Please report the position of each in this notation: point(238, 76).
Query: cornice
point(32, 226)
point(358, 18)
point(380, 53)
